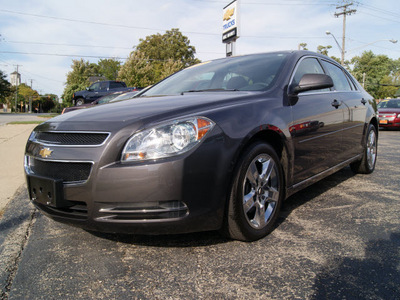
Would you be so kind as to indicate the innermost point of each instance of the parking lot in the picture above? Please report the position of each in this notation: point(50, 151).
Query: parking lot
point(338, 239)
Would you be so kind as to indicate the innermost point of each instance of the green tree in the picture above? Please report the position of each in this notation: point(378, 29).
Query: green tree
point(109, 68)
point(77, 78)
point(323, 49)
point(302, 46)
point(137, 71)
point(47, 103)
point(375, 68)
point(5, 88)
point(388, 87)
point(161, 49)
point(171, 45)
point(170, 67)
point(27, 92)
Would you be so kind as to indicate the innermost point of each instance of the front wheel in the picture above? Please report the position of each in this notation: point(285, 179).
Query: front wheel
point(367, 163)
point(79, 101)
point(256, 194)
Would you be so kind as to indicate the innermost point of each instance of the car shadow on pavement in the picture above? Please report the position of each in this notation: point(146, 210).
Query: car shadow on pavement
point(197, 239)
point(313, 191)
point(376, 276)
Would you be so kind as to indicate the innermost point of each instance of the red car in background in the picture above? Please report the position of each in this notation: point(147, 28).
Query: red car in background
point(389, 113)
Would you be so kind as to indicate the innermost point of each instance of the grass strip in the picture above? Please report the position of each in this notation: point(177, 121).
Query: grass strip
point(24, 122)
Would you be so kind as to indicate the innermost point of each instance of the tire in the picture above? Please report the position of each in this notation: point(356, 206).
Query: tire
point(256, 194)
point(367, 163)
point(79, 101)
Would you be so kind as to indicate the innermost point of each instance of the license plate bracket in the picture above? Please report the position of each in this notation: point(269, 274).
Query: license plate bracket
point(47, 191)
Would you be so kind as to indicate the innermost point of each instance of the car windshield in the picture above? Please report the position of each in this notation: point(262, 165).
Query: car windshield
point(242, 73)
point(395, 103)
point(383, 104)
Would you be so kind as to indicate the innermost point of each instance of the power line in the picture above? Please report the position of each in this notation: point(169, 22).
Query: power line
point(69, 45)
point(383, 18)
point(378, 9)
point(65, 55)
point(75, 55)
point(44, 77)
point(293, 2)
point(88, 46)
point(98, 23)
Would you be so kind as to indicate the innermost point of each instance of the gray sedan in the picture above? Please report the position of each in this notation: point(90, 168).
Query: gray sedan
point(217, 146)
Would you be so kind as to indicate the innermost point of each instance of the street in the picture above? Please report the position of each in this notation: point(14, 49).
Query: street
point(337, 239)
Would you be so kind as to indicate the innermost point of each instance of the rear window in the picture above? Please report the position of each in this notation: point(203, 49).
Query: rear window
point(116, 85)
point(340, 80)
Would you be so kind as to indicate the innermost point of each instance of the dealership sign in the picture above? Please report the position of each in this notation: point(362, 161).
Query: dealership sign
point(230, 22)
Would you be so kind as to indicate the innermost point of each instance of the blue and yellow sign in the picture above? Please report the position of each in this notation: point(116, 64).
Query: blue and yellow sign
point(230, 22)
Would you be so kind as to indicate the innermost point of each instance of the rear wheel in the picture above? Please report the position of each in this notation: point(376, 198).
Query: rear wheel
point(256, 194)
point(367, 163)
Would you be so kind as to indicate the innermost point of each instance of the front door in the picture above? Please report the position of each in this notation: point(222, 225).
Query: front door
point(317, 125)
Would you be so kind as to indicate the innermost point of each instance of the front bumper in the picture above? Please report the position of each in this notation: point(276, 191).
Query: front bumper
point(175, 195)
point(389, 121)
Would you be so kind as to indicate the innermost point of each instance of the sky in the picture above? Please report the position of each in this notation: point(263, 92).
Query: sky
point(43, 37)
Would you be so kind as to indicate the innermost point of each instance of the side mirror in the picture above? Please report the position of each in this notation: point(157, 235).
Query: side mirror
point(311, 82)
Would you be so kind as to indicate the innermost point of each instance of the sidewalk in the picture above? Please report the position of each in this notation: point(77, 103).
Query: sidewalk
point(12, 146)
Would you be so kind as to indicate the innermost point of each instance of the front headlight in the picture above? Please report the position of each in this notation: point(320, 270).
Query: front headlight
point(32, 137)
point(166, 140)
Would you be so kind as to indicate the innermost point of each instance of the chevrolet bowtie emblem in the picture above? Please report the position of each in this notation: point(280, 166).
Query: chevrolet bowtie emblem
point(45, 152)
point(228, 14)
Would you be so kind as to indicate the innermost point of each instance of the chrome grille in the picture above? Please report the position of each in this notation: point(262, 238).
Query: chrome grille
point(67, 171)
point(72, 138)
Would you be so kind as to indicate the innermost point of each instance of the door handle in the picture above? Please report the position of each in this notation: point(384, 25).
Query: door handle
point(363, 101)
point(335, 104)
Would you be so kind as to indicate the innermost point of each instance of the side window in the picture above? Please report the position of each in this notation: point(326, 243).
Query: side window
point(103, 86)
point(351, 80)
point(340, 80)
point(308, 66)
point(95, 86)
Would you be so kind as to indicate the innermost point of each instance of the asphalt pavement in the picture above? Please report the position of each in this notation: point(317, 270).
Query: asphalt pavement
point(337, 239)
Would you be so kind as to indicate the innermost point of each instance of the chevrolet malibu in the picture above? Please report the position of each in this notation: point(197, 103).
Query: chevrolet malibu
point(217, 146)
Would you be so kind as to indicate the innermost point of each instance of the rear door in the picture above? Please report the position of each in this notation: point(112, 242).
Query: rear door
point(354, 110)
point(317, 125)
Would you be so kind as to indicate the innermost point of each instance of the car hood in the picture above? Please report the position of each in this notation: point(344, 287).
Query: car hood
point(80, 93)
point(117, 115)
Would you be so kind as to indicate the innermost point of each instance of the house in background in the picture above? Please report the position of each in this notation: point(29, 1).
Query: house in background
point(15, 78)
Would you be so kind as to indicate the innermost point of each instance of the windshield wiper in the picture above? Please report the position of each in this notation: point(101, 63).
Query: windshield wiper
point(209, 90)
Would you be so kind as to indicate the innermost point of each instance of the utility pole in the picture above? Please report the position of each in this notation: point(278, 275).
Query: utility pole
point(30, 98)
point(345, 12)
point(16, 90)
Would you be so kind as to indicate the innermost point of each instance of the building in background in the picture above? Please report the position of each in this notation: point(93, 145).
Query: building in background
point(15, 78)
